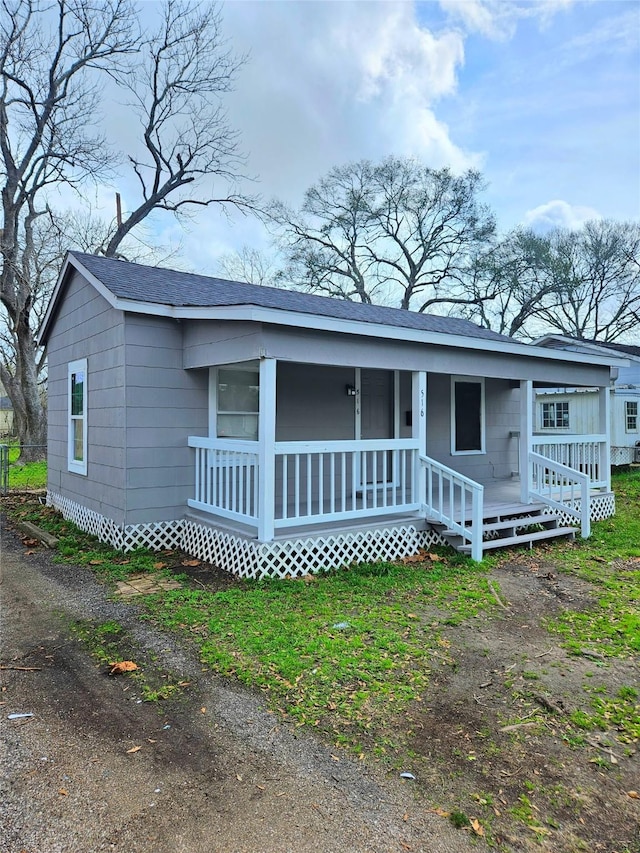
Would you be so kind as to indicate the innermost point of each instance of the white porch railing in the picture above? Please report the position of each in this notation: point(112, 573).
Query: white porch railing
point(341, 480)
point(314, 482)
point(585, 453)
point(454, 500)
point(560, 487)
point(227, 478)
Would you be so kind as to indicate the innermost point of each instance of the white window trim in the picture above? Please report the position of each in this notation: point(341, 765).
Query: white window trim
point(479, 380)
point(636, 416)
point(73, 465)
point(555, 404)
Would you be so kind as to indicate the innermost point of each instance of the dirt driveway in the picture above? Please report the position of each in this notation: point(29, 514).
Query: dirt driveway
point(93, 768)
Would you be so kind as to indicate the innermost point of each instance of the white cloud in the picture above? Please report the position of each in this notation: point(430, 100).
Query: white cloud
point(558, 214)
point(330, 83)
point(498, 19)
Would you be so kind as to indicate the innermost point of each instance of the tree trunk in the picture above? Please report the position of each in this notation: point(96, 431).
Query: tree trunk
point(29, 413)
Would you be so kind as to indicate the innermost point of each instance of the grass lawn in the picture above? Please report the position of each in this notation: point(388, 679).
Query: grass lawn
point(524, 718)
point(32, 475)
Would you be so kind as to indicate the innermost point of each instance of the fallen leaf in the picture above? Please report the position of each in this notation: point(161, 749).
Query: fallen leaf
point(159, 565)
point(121, 666)
point(191, 562)
point(63, 792)
point(413, 558)
point(238, 777)
point(203, 710)
point(134, 749)
point(435, 558)
point(476, 826)
point(634, 795)
point(96, 562)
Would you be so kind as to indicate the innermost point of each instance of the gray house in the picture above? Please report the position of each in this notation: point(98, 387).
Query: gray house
point(273, 432)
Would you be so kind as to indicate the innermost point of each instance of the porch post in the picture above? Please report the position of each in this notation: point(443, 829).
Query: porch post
point(266, 449)
point(419, 430)
point(604, 428)
point(526, 436)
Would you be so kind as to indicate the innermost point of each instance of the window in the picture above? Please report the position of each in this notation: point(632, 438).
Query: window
point(555, 415)
point(238, 396)
point(77, 438)
point(631, 415)
point(467, 416)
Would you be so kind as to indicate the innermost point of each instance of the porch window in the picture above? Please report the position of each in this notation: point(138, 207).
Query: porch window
point(631, 415)
point(238, 398)
point(467, 415)
point(77, 430)
point(555, 415)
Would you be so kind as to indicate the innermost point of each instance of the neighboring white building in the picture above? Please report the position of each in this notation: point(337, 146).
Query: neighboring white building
point(575, 410)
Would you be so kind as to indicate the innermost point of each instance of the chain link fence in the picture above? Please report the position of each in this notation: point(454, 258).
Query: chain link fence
point(16, 475)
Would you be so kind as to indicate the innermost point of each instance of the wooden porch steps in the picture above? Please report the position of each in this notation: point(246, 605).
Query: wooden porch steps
point(510, 525)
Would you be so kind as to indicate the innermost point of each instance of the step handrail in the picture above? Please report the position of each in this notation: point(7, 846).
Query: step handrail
point(563, 485)
point(440, 503)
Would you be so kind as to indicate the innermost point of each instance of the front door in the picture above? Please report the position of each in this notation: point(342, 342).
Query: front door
point(376, 421)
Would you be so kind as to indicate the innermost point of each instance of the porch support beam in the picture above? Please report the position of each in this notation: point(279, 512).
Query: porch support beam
point(419, 429)
point(526, 436)
point(604, 428)
point(267, 449)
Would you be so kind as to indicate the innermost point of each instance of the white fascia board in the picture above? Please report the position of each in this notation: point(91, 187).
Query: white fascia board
point(585, 346)
point(278, 317)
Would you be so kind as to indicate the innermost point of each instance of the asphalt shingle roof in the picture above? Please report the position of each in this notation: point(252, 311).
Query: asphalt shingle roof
point(180, 289)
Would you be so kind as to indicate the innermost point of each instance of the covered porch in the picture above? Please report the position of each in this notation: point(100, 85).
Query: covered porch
point(301, 452)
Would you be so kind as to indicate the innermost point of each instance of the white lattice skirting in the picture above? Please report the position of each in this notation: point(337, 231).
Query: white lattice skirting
point(247, 558)
point(602, 506)
point(288, 558)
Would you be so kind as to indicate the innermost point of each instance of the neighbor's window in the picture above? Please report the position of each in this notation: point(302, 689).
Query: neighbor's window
point(631, 415)
point(467, 415)
point(555, 415)
point(77, 393)
point(238, 403)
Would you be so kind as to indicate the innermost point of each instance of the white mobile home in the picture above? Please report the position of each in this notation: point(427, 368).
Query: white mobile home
point(561, 410)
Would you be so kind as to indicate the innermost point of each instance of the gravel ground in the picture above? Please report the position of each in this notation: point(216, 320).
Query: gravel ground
point(214, 771)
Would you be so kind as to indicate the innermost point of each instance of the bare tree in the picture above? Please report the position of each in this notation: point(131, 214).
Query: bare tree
point(253, 265)
point(396, 231)
point(515, 281)
point(584, 283)
point(55, 56)
point(188, 145)
point(599, 271)
point(48, 96)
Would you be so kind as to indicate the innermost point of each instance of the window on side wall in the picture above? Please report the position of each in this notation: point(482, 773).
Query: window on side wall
point(467, 416)
point(238, 397)
point(555, 415)
point(631, 416)
point(77, 396)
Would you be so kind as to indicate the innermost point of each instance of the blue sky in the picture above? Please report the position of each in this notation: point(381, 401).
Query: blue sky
point(543, 97)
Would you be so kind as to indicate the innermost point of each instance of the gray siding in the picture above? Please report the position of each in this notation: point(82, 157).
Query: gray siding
point(313, 347)
point(502, 415)
point(312, 404)
point(207, 342)
point(165, 405)
point(87, 327)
